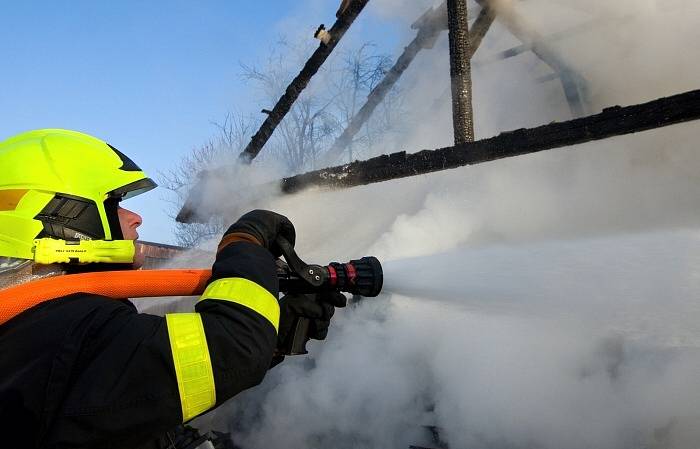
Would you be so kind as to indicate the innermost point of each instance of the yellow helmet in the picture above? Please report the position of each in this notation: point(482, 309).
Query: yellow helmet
point(62, 185)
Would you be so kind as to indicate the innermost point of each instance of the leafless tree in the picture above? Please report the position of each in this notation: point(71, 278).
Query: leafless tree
point(326, 107)
point(316, 119)
point(360, 71)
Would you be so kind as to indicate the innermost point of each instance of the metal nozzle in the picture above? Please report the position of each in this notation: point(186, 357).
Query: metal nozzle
point(362, 277)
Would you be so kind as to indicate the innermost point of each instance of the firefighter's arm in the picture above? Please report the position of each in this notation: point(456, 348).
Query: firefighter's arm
point(227, 346)
point(140, 375)
point(240, 316)
point(146, 374)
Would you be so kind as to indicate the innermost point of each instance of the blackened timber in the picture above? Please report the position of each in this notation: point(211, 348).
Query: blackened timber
point(298, 84)
point(614, 121)
point(480, 27)
point(460, 71)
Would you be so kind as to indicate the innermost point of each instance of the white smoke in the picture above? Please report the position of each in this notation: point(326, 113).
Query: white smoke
point(576, 342)
point(542, 301)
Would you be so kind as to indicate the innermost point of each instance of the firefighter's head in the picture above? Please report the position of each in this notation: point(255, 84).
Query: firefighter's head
point(61, 186)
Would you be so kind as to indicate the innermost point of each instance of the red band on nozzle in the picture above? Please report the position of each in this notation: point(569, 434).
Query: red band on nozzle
point(352, 273)
point(332, 276)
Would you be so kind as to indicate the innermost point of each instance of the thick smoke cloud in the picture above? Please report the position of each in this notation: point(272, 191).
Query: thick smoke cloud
point(587, 343)
point(545, 301)
point(511, 340)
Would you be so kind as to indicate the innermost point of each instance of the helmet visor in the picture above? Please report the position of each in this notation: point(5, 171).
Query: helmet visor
point(133, 189)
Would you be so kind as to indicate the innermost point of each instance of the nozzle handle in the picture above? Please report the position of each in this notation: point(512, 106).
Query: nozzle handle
point(313, 274)
point(297, 342)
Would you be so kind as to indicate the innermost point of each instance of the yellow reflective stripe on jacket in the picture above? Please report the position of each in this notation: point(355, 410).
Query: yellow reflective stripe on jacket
point(246, 293)
point(195, 378)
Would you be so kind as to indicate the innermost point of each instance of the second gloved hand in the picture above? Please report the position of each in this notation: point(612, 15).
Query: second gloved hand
point(319, 309)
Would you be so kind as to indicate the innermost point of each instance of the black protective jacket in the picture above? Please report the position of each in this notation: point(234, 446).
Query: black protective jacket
point(86, 371)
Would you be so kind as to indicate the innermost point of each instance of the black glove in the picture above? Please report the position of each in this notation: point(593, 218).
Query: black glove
point(265, 226)
point(319, 309)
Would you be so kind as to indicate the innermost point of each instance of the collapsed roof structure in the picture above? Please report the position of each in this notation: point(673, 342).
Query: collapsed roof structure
point(451, 15)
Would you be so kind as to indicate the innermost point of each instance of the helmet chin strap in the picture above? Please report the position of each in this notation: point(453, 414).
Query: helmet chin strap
point(111, 209)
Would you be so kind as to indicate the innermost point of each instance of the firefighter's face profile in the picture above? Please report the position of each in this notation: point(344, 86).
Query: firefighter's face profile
point(129, 222)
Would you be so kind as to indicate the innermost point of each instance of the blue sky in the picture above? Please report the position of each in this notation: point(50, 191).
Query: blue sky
point(148, 77)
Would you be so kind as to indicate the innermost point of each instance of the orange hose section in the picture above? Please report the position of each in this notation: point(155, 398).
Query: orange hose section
point(113, 284)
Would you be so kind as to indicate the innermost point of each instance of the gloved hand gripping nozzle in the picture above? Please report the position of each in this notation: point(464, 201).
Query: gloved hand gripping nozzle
point(363, 277)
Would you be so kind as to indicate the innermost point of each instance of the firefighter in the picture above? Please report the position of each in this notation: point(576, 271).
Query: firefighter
point(85, 371)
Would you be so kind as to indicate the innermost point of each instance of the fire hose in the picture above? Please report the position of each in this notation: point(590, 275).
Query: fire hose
point(363, 277)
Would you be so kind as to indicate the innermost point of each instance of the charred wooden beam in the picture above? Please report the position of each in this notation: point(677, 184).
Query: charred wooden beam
point(347, 15)
point(477, 32)
point(460, 72)
point(480, 27)
point(613, 121)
